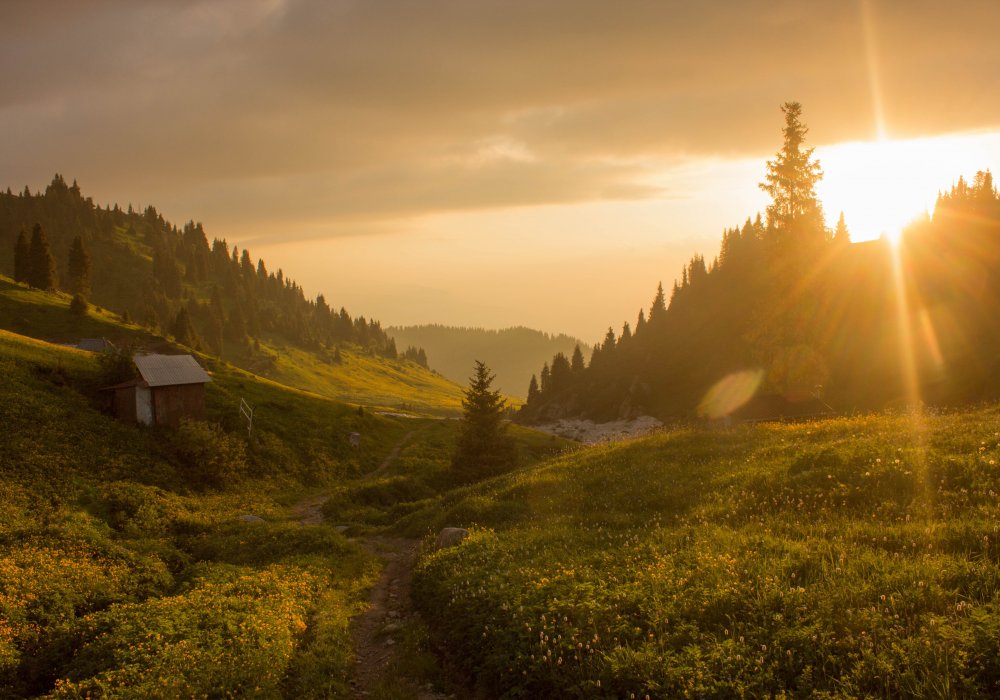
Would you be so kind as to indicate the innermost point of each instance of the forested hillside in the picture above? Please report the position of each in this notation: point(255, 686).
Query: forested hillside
point(167, 280)
point(512, 353)
point(792, 310)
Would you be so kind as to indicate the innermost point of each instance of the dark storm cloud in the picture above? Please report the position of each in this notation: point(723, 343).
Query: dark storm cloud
point(371, 108)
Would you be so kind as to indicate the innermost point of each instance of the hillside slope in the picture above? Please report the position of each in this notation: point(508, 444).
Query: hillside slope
point(126, 567)
point(359, 377)
point(218, 300)
point(845, 558)
point(513, 354)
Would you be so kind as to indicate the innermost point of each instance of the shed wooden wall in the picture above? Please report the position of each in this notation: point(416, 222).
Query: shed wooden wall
point(124, 404)
point(171, 403)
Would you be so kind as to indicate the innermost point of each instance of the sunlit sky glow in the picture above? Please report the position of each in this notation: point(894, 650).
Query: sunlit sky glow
point(498, 162)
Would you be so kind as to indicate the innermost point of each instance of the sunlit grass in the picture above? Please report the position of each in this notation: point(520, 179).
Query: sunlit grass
point(836, 557)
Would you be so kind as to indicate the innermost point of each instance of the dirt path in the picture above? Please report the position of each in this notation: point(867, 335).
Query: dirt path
point(390, 458)
point(309, 511)
point(375, 631)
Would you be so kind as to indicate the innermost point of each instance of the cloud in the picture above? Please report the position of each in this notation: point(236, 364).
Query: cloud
point(376, 108)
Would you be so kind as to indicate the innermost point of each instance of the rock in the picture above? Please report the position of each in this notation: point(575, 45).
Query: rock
point(391, 627)
point(251, 518)
point(450, 536)
point(341, 529)
point(390, 642)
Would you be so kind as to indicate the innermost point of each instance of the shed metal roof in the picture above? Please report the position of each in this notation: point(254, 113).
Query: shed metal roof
point(170, 370)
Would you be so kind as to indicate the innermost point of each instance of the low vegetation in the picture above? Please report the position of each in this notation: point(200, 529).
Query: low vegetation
point(151, 563)
point(845, 558)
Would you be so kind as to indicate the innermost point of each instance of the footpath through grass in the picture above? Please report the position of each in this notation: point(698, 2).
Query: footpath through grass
point(844, 558)
point(127, 565)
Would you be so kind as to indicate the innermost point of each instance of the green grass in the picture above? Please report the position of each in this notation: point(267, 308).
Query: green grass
point(119, 575)
point(393, 385)
point(375, 382)
point(126, 571)
point(846, 558)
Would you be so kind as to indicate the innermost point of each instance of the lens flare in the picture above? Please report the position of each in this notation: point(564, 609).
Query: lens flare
point(730, 393)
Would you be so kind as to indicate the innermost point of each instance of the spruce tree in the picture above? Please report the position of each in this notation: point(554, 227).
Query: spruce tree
point(42, 267)
point(576, 363)
point(533, 390)
point(183, 330)
point(484, 447)
point(641, 322)
point(841, 235)
point(791, 181)
point(658, 309)
point(78, 268)
point(22, 258)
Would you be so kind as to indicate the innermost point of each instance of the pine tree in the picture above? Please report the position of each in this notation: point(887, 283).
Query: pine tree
point(641, 322)
point(626, 334)
point(42, 268)
point(484, 448)
point(78, 268)
point(841, 235)
point(22, 258)
point(576, 363)
point(791, 181)
point(183, 330)
point(658, 310)
point(533, 390)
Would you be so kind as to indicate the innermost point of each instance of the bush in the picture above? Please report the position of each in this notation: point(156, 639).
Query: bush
point(207, 456)
point(78, 306)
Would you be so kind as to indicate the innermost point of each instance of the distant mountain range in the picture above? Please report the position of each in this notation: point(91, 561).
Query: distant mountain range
point(513, 354)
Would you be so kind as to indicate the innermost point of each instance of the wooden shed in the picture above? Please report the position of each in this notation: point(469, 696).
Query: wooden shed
point(169, 388)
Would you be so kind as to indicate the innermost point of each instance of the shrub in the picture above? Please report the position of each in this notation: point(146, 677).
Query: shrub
point(78, 306)
point(207, 456)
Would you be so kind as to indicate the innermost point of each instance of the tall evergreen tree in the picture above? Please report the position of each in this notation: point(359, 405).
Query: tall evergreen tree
point(791, 180)
point(533, 391)
point(841, 235)
point(78, 268)
point(22, 258)
point(183, 330)
point(484, 447)
point(576, 363)
point(658, 309)
point(42, 268)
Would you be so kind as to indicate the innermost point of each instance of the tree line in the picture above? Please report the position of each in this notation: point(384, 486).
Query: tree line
point(816, 316)
point(209, 296)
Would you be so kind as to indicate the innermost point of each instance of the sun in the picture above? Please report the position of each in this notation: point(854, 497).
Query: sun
point(881, 186)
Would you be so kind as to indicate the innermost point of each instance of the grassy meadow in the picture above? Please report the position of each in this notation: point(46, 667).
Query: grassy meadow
point(360, 377)
point(125, 567)
point(129, 565)
point(855, 557)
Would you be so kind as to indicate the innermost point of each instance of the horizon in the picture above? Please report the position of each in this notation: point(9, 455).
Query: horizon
point(511, 165)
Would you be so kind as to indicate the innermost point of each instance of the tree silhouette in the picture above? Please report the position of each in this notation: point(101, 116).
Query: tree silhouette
point(484, 448)
point(658, 309)
point(841, 235)
point(183, 330)
point(532, 391)
point(42, 266)
point(78, 268)
point(22, 258)
point(791, 180)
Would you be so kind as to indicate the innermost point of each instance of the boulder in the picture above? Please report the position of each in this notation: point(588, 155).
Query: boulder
point(251, 518)
point(450, 536)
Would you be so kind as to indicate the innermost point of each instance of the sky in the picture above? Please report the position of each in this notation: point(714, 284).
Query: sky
point(493, 162)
